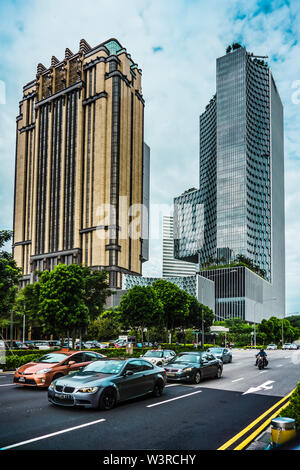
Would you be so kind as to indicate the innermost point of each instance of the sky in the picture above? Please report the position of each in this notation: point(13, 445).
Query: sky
point(175, 43)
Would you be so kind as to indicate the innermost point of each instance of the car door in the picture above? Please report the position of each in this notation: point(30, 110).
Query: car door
point(209, 365)
point(168, 356)
point(226, 355)
point(133, 385)
point(149, 377)
point(79, 360)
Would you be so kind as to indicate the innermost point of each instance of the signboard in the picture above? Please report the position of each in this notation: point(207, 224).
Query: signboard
point(219, 329)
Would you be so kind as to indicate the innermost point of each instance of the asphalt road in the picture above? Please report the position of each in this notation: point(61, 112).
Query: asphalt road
point(186, 417)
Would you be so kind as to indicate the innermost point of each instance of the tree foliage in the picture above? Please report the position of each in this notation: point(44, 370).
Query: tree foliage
point(140, 308)
point(9, 277)
point(175, 302)
point(62, 309)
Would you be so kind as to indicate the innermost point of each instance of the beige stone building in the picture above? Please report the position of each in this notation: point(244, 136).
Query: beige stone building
point(81, 163)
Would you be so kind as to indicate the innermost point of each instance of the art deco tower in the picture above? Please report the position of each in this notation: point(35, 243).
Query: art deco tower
point(80, 164)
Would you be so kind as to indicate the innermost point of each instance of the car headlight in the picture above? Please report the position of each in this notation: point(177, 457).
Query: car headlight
point(188, 369)
point(88, 389)
point(43, 371)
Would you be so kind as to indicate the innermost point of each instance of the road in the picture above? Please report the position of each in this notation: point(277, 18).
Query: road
point(186, 417)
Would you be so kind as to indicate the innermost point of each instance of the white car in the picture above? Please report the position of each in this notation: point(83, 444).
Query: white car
point(272, 346)
point(289, 346)
point(159, 357)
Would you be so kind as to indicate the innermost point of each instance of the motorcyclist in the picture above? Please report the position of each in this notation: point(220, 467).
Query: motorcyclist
point(262, 354)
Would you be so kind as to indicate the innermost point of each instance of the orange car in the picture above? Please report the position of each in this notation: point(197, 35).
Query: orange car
point(49, 367)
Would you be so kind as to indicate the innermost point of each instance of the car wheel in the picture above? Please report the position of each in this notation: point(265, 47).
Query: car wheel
point(197, 377)
point(108, 399)
point(158, 389)
point(219, 373)
point(230, 360)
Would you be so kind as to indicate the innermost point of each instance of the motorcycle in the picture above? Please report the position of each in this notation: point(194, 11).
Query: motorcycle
point(261, 362)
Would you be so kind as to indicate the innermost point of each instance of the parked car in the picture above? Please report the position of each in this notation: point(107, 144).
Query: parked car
point(272, 346)
point(193, 367)
point(43, 345)
point(54, 344)
point(289, 346)
point(15, 344)
point(30, 344)
point(159, 356)
point(221, 353)
point(103, 384)
point(43, 370)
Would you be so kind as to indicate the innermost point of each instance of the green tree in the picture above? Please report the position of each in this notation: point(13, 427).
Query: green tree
point(27, 303)
point(141, 308)
point(62, 309)
point(105, 328)
point(9, 279)
point(175, 302)
point(199, 312)
point(96, 291)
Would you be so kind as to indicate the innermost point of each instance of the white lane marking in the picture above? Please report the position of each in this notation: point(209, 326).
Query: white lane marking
point(6, 385)
point(52, 434)
point(265, 386)
point(172, 399)
point(237, 380)
point(172, 385)
point(279, 365)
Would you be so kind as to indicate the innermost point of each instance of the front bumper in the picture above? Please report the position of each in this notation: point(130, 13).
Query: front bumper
point(32, 380)
point(179, 376)
point(85, 400)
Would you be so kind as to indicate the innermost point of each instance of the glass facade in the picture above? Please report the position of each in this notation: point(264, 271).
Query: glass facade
point(241, 188)
point(188, 226)
point(235, 163)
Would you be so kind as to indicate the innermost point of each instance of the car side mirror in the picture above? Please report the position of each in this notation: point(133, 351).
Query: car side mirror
point(71, 363)
point(128, 373)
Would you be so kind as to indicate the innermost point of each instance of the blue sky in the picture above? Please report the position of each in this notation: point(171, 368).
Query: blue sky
point(176, 43)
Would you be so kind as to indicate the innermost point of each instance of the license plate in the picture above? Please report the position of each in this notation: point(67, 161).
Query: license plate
point(64, 397)
point(22, 379)
point(169, 374)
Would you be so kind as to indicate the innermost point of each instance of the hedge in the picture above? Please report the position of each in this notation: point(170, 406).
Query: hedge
point(293, 408)
point(20, 357)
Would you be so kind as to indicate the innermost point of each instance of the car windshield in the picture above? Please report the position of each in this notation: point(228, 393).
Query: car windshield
point(216, 350)
point(102, 367)
point(52, 358)
point(153, 354)
point(187, 358)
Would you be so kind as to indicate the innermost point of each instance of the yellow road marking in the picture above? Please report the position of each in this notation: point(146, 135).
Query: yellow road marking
point(251, 425)
point(258, 430)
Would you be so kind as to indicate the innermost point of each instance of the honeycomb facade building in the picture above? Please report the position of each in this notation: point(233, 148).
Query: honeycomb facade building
point(81, 163)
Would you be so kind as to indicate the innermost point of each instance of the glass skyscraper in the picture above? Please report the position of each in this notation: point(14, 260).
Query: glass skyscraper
point(241, 182)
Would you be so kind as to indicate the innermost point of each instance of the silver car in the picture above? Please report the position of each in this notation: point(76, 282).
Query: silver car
point(221, 353)
point(159, 356)
point(102, 384)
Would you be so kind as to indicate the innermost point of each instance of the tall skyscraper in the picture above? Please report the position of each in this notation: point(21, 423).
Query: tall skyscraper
point(172, 266)
point(242, 181)
point(80, 164)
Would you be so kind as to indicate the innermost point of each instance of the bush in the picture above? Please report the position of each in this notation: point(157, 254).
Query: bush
point(13, 362)
point(293, 409)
